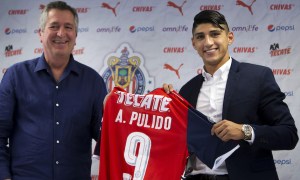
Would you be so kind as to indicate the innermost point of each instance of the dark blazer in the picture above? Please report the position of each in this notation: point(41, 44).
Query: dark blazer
point(253, 97)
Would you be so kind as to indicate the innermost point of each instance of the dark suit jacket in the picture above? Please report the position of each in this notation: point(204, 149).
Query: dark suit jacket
point(253, 97)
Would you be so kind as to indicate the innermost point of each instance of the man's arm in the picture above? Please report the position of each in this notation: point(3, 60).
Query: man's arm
point(4, 158)
point(279, 131)
point(7, 103)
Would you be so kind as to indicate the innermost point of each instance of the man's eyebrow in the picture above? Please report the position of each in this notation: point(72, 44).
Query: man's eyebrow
point(198, 33)
point(217, 30)
point(54, 23)
point(212, 31)
point(69, 24)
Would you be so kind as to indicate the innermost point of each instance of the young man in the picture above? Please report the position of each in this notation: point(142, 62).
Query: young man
point(242, 99)
point(50, 107)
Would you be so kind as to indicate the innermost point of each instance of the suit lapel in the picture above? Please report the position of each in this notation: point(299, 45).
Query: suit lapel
point(231, 84)
point(196, 90)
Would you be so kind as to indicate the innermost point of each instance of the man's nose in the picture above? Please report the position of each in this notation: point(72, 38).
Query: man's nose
point(208, 40)
point(61, 32)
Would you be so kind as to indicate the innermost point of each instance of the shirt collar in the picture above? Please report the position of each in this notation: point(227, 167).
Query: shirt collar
point(43, 65)
point(222, 72)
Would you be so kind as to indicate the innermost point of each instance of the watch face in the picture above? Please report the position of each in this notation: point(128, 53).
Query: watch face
point(247, 131)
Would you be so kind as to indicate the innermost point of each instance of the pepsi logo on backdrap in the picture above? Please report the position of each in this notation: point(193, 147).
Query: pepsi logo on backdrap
point(283, 161)
point(83, 29)
point(134, 29)
point(9, 31)
point(273, 28)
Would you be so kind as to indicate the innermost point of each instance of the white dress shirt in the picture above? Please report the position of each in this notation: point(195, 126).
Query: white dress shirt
point(210, 103)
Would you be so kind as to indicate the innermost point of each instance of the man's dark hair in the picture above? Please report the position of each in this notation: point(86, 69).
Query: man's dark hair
point(209, 16)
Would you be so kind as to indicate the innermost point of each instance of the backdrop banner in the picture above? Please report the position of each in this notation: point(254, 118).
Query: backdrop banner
point(152, 40)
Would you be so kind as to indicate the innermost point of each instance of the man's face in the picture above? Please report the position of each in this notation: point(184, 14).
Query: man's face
point(212, 43)
point(59, 35)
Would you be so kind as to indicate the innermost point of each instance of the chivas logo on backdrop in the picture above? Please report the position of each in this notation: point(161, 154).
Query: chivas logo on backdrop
point(17, 11)
point(125, 68)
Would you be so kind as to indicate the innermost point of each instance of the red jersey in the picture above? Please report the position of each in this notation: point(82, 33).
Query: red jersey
point(143, 136)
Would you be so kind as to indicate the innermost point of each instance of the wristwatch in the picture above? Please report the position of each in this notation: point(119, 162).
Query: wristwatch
point(247, 130)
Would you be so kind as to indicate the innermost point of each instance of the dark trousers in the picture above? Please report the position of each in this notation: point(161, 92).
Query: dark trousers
point(207, 177)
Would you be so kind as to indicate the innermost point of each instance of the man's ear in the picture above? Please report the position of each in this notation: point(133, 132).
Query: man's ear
point(230, 38)
point(192, 39)
point(40, 34)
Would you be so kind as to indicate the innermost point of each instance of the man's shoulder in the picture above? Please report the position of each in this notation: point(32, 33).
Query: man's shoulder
point(87, 71)
point(250, 65)
point(242, 66)
point(193, 83)
point(31, 63)
point(85, 67)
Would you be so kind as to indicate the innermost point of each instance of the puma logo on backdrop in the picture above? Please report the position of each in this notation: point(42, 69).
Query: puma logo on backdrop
point(172, 4)
point(243, 4)
point(113, 9)
point(169, 67)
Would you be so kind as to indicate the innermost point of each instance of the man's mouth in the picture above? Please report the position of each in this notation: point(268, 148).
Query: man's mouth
point(60, 42)
point(210, 50)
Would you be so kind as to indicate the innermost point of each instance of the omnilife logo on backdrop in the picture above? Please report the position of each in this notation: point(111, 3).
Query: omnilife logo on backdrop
point(125, 68)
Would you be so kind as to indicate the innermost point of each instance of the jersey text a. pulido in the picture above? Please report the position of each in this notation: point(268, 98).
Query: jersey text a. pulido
point(151, 103)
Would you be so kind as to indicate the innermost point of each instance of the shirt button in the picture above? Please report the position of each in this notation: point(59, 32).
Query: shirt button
point(57, 123)
point(57, 162)
point(56, 87)
point(56, 104)
point(57, 141)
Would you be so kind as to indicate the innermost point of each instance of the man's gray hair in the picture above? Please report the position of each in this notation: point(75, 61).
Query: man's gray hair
point(57, 5)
